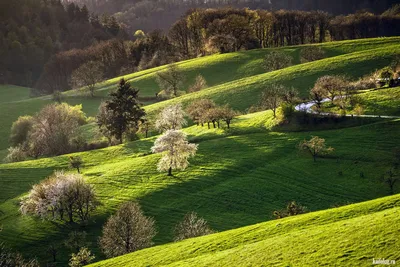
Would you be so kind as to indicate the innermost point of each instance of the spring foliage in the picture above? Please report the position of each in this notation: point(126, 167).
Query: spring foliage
point(175, 149)
point(64, 197)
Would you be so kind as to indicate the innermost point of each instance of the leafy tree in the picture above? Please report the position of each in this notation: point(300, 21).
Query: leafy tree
point(176, 151)
point(88, 75)
point(125, 110)
point(170, 80)
point(199, 84)
point(15, 154)
point(315, 146)
point(75, 162)
point(82, 258)
point(271, 97)
point(52, 131)
point(145, 126)
point(127, 231)
point(276, 60)
point(61, 196)
point(171, 118)
point(292, 209)
point(191, 226)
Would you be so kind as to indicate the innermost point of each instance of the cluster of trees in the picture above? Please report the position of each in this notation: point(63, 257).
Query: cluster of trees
point(52, 131)
point(206, 111)
point(31, 32)
point(64, 197)
point(160, 14)
point(205, 31)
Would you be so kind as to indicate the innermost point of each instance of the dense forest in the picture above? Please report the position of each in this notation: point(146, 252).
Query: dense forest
point(160, 14)
point(44, 41)
point(31, 31)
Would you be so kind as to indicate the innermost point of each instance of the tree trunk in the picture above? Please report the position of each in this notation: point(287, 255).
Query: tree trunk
point(79, 171)
point(170, 171)
point(228, 123)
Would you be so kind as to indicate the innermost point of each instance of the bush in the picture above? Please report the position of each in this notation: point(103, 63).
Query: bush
point(292, 209)
point(276, 60)
point(311, 53)
point(52, 131)
point(15, 154)
point(82, 258)
point(61, 196)
point(127, 231)
point(76, 240)
point(199, 84)
point(191, 226)
point(20, 130)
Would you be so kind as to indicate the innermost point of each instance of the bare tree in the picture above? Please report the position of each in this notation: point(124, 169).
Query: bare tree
point(171, 80)
point(391, 178)
point(75, 162)
point(317, 95)
point(171, 118)
point(199, 84)
point(277, 60)
point(331, 85)
point(127, 231)
point(88, 75)
point(191, 226)
point(315, 146)
point(198, 108)
point(271, 97)
point(104, 117)
point(311, 53)
point(176, 151)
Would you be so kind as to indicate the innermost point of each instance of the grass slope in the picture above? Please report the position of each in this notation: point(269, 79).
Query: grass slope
point(347, 236)
point(222, 72)
point(11, 93)
point(238, 178)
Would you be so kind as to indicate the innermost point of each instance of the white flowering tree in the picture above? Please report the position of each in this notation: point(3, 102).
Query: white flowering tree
point(176, 151)
point(61, 196)
point(171, 118)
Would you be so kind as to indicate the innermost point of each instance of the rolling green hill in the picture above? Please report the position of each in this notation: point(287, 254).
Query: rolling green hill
point(239, 177)
point(353, 235)
point(226, 74)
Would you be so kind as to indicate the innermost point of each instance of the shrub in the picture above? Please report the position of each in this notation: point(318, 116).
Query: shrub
point(13, 259)
point(20, 130)
point(191, 226)
point(82, 258)
point(76, 240)
point(127, 231)
point(311, 53)
point(15, 154)
point(292, 209)
point(61, 196)
point(52, 131)
point(276, 60)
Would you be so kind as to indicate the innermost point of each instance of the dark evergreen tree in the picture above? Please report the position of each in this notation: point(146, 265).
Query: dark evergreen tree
point(125, 110)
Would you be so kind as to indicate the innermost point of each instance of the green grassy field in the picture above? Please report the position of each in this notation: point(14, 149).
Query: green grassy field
point(234, 78)
point(238, 178)
point(352, 235)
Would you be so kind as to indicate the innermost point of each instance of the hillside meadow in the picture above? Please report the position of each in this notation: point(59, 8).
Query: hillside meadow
point(239, 177)
point(352, 235)
point(239, 72)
